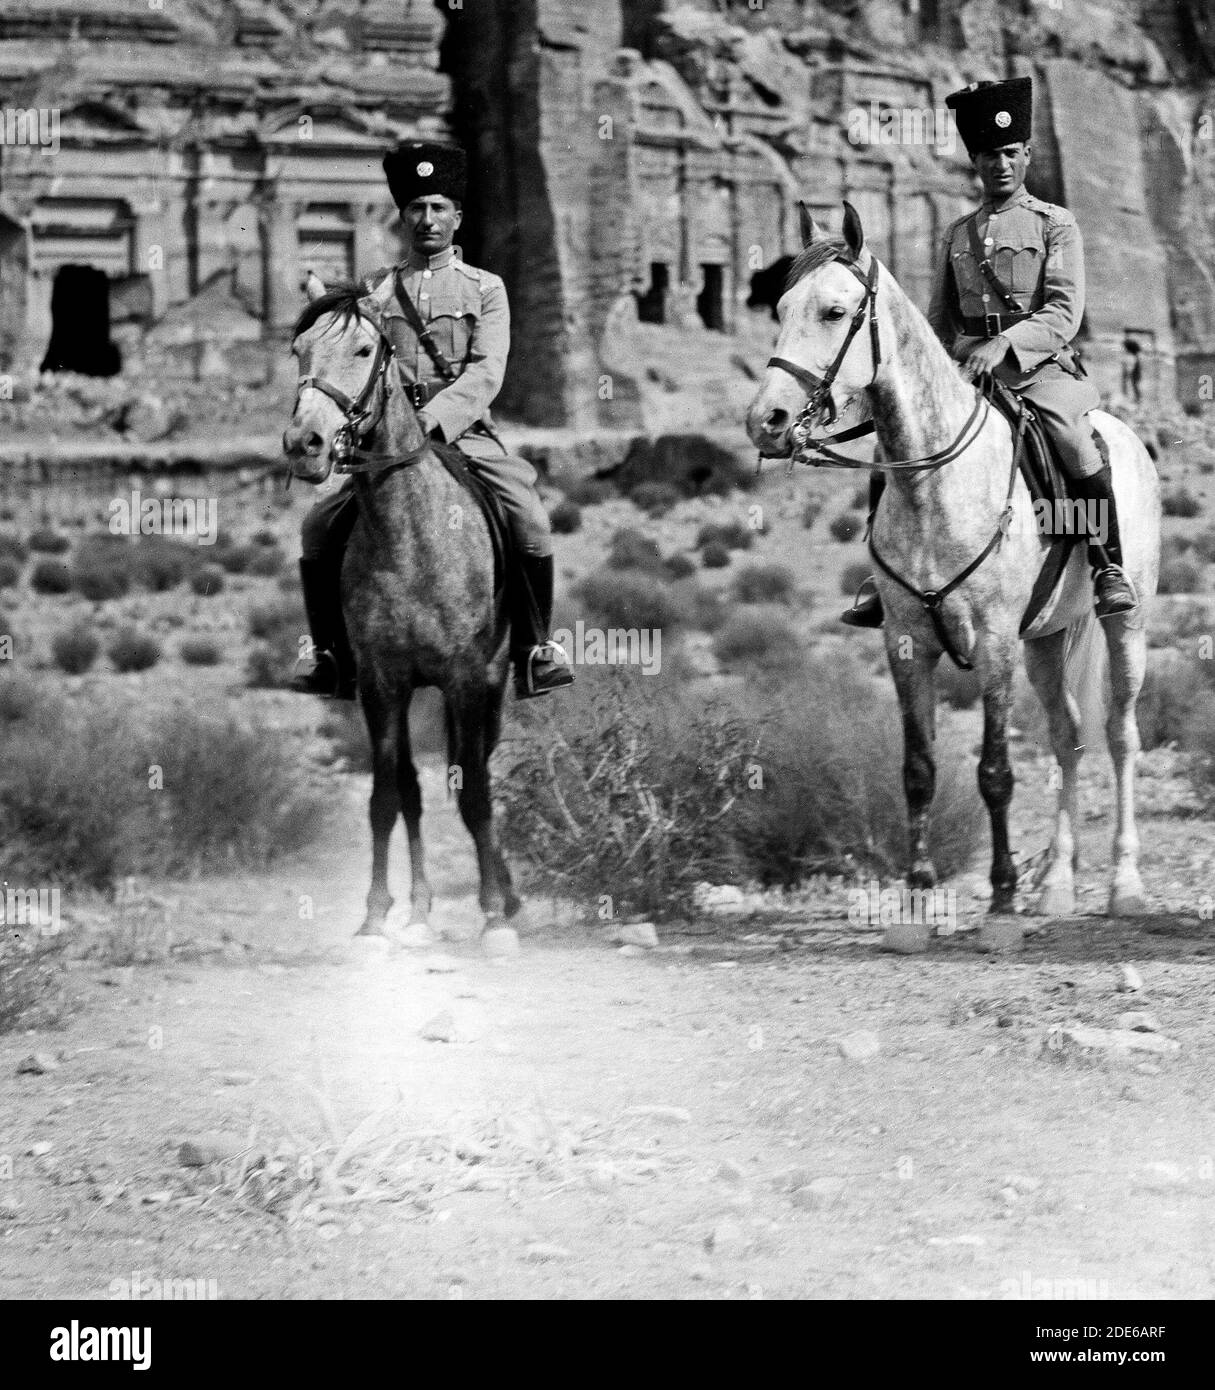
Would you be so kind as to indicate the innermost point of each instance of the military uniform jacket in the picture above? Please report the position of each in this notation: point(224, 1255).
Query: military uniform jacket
point(467, 313)
point(1036, 250)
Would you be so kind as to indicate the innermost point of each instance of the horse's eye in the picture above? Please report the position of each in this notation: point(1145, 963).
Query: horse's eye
point(834, 313)
point(363, 352)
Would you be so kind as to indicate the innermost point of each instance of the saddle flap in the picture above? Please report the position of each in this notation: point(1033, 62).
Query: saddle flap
point(456, 461)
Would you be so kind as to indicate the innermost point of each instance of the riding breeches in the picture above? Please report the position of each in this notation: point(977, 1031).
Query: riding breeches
point(1062, 403)
point(328, 524)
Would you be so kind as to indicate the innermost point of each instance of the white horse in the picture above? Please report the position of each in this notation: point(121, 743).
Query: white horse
point(849, 336)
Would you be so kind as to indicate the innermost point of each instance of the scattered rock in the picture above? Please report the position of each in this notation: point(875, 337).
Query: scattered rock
point(717, 897)
point(37, 1064)
point(539, 1253)
point(1113, 1039)
point(631, 950)
point(861, 1046)
point(1138, 1021)
point(818, 1193)
point(236, 1078)
point(726, 1238)
point(209, 1148)
point(412, 937)
point(906, 938)
point(1165, 1174)
point(1022, 1183)
point(1129, 981)
point(440, 1028)
point(1000, 935)
point(661, 1114)
point(40, 1149)
point(643, 934)
point(500, 942)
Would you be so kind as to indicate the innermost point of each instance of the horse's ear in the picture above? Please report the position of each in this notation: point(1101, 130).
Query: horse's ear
point(809, 228)
point(854, 233)
point(314, 286)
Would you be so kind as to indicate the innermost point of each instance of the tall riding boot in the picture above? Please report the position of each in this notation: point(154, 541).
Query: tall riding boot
point(867, 611)
point(332, 672)
point(541, 665)
point(1114, 590)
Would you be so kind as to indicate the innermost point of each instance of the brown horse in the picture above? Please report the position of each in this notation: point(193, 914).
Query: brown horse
point(417, 591)
point(957, 529)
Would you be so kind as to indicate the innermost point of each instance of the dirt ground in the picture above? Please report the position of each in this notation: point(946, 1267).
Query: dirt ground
point(676, 1124)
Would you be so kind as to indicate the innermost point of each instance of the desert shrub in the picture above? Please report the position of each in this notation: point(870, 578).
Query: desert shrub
point(132, 650)
point(732, 534)
point(1180, 501)
point(680, 566)
point(639, 787)
point(846, 527)
point(1176, 689)
point(626, 598)
point(100, 585)
point(714, 556)
point(955, 687)
point(51, 577)
point(200, 651)
point(22, 698)
point(264, 536)
point(266, 561)
point(764, 584)
point(588, 492)
point(656, 499)
point(1204, 546)
point(236, 559)
point(757, 635)
point(853, 576)
point(207, 580)
point(811, 512)
point(1200, 739)
point(47, 541)
point(566, 517)
point(160, 564)
point(280, 628)
point(634, 550)
point(33, 992)
point(860, 498)
point(75, 650)
point(268, 620)
point(12, 547)
point(1180, 623)
point(10, 572)
point(76, 807)
point(1179, 577)
point(690, 464)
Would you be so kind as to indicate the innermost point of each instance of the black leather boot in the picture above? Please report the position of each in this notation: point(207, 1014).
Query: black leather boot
point(541, 665)
point(1114, 590)
point(867, 611)
point(332, 673)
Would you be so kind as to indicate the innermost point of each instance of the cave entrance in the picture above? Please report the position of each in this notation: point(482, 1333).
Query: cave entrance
point(652, 305)
point(711, 302)
point(80, 324)
point(768, 285)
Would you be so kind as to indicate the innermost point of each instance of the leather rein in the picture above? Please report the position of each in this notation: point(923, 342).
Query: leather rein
point(819, 403)
point(363, 413)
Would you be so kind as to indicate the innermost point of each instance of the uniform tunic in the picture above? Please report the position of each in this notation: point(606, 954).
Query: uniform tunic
point(1036, 251)
point(467, 313)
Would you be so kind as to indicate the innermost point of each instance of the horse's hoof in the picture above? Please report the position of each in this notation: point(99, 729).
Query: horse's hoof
point(373, 927)
point(499, 942)
point(514, 905)
point(1128, 904)
point(922, 875)
point(1056, 900)
point(416, 934)
point(1002, 904)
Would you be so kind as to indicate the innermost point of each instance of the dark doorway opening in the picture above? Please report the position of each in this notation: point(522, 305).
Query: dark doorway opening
point(710, 302)
point(652, 305)
point(80, 324)
point(768, 285)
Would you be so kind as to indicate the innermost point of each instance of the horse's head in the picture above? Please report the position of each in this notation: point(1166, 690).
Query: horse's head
point(823, 361)
point(343, 357)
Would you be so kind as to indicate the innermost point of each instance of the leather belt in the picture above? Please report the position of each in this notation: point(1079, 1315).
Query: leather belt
point(992, 325)
point(419, 392)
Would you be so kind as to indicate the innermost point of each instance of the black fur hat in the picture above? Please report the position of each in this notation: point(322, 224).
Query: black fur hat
point(992, 114)
point(416, 168)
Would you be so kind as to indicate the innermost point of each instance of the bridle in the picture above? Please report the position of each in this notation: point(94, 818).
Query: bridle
point(819, 403)
point(364, 412)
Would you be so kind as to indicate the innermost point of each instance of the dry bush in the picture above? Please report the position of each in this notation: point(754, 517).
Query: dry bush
point(680, 566)
point(764, 583)
point(75, 650)
point(566, 517)
point(200, 651)
point(132, 650)
point(631, 549)
point(1180, 501)
point(100, 585)
point(280, 628)
point(32, 982)
point(1179, 577)
point(207, 580)
point(51, 577)
point(846, 527)
point(161, 563)
point(627, 598)
point(690, 464)
point(733, 535)
point(853, 576)
point(12, 547)
point(758, 634)
point(1177, 689)
point(48, 541)
point(714, 556)
point(266, 561)
point(10, 572)
point(655, 499)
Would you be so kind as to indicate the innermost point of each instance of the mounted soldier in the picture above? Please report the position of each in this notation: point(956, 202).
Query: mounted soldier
point(1007, 303)
point(449, 324)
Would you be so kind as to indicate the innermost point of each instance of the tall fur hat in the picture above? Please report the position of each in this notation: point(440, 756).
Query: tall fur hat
point(416, 168)
point(991, 114)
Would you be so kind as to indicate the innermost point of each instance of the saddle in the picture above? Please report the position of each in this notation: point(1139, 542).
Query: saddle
point(1048, 484)
point(457, 463)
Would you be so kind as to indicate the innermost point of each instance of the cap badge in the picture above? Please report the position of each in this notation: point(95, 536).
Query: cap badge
point(1003, 120)
point(426, 168)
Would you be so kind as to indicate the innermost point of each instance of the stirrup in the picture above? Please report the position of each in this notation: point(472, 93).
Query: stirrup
point(1120, 573)
point(862, 611)
point(525, 675)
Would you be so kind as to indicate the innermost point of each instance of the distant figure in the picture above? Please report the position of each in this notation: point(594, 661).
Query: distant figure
point(1132, 370)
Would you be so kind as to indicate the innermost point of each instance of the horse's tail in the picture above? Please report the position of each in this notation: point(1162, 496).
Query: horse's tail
point(1085, 673)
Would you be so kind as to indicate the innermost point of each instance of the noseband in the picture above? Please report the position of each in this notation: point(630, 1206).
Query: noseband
point(360, 416)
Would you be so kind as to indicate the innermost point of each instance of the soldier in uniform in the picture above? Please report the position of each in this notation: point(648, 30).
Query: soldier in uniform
point(467, 319)
point(1007, 302)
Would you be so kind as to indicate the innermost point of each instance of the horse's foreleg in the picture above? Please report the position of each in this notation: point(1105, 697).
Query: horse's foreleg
point(1044, 666)
point(914, 674)
point(410, 794)
point(493, 727)
point(383, 725)
point(476, 807)
point(1128, 664)
point(995, 771)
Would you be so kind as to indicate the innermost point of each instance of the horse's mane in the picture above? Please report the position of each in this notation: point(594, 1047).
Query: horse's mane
point(341, 299)
point(817, 255)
